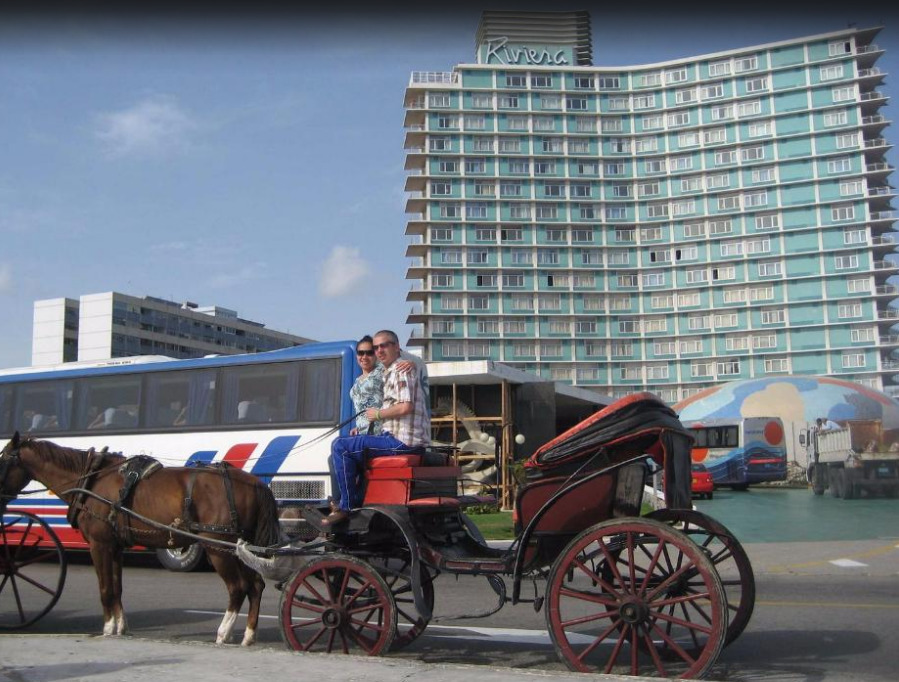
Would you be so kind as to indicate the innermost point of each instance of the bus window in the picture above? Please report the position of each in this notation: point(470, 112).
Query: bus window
point(44, 406)
point(6, 399)
point(702, 438)
point(108, 403)
point(260, 394)
point(319, 396)
point(731, 437)
point(179, 398)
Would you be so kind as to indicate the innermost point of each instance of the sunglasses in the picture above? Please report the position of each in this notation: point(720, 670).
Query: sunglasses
point(383, 346)
point(365, 353)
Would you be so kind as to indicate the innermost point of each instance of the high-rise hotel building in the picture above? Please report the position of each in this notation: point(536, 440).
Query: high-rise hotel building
point(660, 227)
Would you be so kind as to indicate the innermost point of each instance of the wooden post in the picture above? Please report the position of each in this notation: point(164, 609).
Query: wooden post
point(455, 429)
point(506, 453)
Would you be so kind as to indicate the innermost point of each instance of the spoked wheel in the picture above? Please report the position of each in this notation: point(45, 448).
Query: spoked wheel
point(636, 597)
point(728, 557)
point(338, 604)
point(397, 574)
point(32, 569)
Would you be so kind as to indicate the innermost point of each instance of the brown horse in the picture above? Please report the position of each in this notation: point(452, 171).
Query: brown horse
point(226, 504)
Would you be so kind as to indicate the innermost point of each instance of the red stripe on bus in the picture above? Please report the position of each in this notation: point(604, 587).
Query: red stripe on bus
point(239, 454)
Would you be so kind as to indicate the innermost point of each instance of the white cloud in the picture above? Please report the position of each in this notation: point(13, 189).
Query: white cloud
point(342, 271)
point(154, 126)
point(5, 278)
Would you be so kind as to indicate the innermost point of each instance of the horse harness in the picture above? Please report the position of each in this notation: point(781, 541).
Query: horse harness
point(185, 521)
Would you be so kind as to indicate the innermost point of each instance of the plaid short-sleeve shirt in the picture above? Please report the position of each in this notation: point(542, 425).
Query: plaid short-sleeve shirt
point(413, 429)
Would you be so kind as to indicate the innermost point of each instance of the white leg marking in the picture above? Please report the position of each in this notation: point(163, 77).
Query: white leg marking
point(227, 626)
point(109, 627)
point(249, 637)
point(121, 624)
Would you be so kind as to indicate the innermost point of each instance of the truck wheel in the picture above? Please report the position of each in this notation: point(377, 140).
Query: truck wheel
point(836, 483)
point(848, 483)
point(181, 560)
point(819, 480)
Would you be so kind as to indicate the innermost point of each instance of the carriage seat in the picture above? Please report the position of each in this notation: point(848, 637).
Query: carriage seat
point(399, 479)
point(422, 458)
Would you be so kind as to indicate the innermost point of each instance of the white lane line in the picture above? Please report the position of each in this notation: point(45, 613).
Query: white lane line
point(848, 563)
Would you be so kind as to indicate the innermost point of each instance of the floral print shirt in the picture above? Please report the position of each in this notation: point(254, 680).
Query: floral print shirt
point(368, 391)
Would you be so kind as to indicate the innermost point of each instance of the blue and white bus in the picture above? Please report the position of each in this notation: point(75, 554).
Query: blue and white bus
point(273, 414)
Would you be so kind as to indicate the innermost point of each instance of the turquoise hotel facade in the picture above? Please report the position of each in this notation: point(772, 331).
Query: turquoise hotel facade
point(662, 227)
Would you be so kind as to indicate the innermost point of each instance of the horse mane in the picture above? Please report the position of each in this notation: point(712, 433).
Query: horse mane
point(69, 459)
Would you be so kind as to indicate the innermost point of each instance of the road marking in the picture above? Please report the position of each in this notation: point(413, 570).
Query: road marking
point(877, 551)
point(848, 563)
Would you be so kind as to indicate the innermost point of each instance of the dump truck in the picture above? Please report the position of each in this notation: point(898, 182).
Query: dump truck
point(854, 460)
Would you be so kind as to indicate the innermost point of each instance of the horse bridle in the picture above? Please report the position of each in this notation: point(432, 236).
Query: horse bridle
point(8, 458)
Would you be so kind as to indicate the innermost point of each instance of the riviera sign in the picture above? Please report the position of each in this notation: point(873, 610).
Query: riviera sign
point(499, 51)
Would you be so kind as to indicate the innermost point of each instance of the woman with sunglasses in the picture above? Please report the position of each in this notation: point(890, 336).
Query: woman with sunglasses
point(368, 389)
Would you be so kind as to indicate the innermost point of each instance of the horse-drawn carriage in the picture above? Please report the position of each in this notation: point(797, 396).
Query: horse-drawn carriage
point(657, 594)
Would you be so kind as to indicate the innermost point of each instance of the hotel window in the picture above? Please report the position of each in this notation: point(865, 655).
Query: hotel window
point(544, 168)
point(520, 212)
point(650, 234)
point(767, 222)
point(591, 257)
point(723, 112)
point(552, 145)
point(514, 327)
point(550, 301)
point(624, 235)
point(485, 280)
point(756, 84)
point(588, 212)
point(719, 69)
point(653, 279)
point(541, 81)
point(550, 102)
point(835, 118)
point(842, 164)
point(439, 99)
point(773, 316)
point(544, 123)
point(770, 269)
point(648, 189)
point(684, 207)
point(688, 300)
point(752, 153)
point(724, 320)
point(693, 184)
point(854, 235)
point(850, 188)
point(616, 213)
point(575, 103)
point(441, 234)
point(519, 167)
point(746, 64)
point(685, 96)
point(700, 369)
point(844, 93)
point(760, 129)
point(851, 360)
point(555, 235)
point(690, 346)
point(681, 163)
point(694, 230)
point(508, 101)
point(846, 141)
point(447, 166)
point(442, 280)
point(839, 47)
point(583, 82)
point(857, 285)
point(720, 227)
point(644, 101)
point(475, 210)
point(475, 122)
point(763, 293)
point(647, 80)
point(866, 334)
point(681, 118)
point(697, 276)
point(732, 248)
point(452, 349)
point(724, 273)
point(713, 91)
point(717, 181)
point(619, 145)
point(517, 80)
point(451, 302)
point(762, 245)
point(547, 257)
point(763, 175)
point(484, 189)
point(619, 258)
point(592, 168)
point(732, 343)
point(749, 108)
point(451, 256)
point(646, 144)
point(618, 104)
point(627, 280)
point(656, 372)
point(686, 253)
point(441, 189)
point(485, 234)
point(510, 188)
point(581, 190)
point(477, 257)
point(475, 165)
point(478, 349)
point(593, 349)
point(654, 166)
point(697, 322)
point(609, 82)
point(440, 144)
point(652, 122)
point(659, 210)
point(448, 122)
point(518, 122)
point(446, 210)
point(585, 327)
point(755, 199)
point(585, 125)
point(522, 302)
point(523, 350)
point(585, 282)
point(558, 281)
point(734, 295)
point(481, 100)
point(660, 255)
point(511, 234)
point(842, 213)
point(687, 139)
point(626, 326)
point(521, 257)
point(592, 302)
point(846, 262)
point(482, 144)
point(676, 75)
point(578, 146)
point(662, 301)
point(846, 310)
point(512, 280)
point(715, 136)
point(728, 367)
point(620, 302)
point(553, 189)
point(727, 203)
point(777, 365)
point(829, 73)
point(763, 341)
point(723, 158)
point(612, 125)
point(488, 326)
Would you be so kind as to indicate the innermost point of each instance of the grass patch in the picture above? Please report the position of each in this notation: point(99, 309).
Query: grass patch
point(494, 525)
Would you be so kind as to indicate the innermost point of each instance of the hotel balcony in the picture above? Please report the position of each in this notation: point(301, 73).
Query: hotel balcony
point(876, 216)
point(876, 146)
point(867, 55)
point(871, 101)
point(879, 168)
point(890, 314)
point(886, 290)
point(875, 123)
point(416, 182)
point(885, 265)
point(871, 76)
point(428, 79)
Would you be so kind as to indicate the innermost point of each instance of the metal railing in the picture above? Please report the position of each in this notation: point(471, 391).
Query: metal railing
point(865, 73)
point(434, 78)
point(865, 49)
point(876, 142)
point(874, 94)
point(883, 215)
point(876, 167)
point(876, 118)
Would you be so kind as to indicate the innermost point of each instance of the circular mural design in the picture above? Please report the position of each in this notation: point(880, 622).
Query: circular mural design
point(793, 399)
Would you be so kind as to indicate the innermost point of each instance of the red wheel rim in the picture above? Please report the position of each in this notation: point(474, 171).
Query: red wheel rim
point(338, 604)
point(636, 597)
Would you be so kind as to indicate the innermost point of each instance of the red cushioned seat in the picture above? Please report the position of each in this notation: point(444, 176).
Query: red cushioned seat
point(393, 462)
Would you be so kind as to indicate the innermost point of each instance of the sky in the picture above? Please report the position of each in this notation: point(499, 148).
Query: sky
point(255, 161)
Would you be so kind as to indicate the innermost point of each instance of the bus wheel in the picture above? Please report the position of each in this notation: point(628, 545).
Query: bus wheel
point(742, 487)
point(183, 559)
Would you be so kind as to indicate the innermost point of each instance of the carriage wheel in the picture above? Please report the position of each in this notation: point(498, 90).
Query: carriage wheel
point(660, 612)
point(338, 604)
point(729, 558)
point(397, 575)
point(32, 569)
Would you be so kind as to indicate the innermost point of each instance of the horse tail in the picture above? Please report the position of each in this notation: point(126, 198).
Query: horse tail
point(268, 529)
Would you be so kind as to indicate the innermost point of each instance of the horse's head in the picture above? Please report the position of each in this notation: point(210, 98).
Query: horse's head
point(13, 476)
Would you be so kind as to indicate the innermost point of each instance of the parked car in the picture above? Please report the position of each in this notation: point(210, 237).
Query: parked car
point(701, 481)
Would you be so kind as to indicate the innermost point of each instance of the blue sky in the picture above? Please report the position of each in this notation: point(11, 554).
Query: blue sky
point(256, 162)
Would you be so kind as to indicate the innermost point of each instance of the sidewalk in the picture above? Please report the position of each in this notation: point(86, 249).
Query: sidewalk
point(46, 658)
